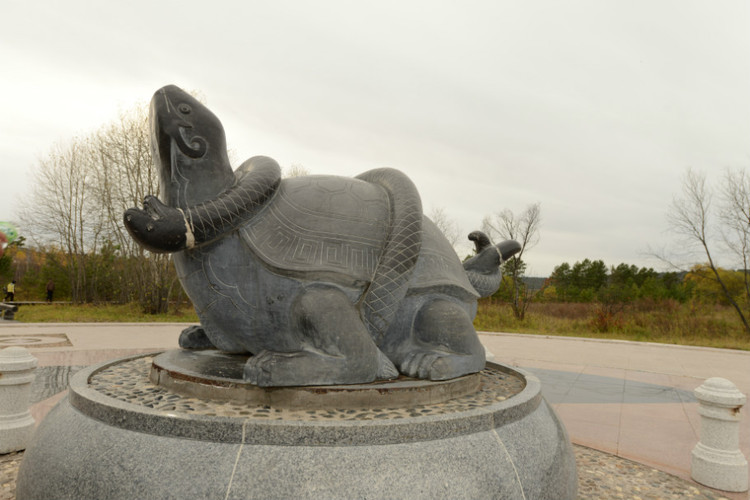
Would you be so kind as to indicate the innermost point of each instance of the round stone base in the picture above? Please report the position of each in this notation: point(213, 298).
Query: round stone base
point(216, 375)
point(119, 436)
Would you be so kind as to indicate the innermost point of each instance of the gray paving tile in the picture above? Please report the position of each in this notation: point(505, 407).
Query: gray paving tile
point(50, 380)
point(568, 387)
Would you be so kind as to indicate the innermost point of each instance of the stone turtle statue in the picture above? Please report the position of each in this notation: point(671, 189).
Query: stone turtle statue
point(323, 279)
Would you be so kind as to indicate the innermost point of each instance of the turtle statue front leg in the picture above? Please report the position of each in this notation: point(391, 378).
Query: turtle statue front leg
point(439, 344)
point(336, 347)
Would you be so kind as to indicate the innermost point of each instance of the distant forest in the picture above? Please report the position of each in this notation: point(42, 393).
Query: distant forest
point(593, 281)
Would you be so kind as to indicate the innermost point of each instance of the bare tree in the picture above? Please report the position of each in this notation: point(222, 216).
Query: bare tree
point(690, 216)
point(59, 211)
point(446, 225)
point(125, 174)
point(80, 194)
point(296, 170)
point(524, 228)
point(735, 218)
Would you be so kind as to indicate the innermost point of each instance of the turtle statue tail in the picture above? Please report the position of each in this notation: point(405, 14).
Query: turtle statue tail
point(161, 228)
point(389, 283)
point(483, 270)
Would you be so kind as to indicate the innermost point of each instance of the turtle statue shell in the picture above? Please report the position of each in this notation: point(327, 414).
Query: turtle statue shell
point(323, 279)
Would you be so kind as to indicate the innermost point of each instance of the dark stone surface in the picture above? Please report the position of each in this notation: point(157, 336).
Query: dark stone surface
point(325, 280)
point(207, 366)
point(211, 374)
point(94, 446)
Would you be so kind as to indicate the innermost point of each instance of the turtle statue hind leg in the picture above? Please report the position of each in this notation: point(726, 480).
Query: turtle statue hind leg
point(440, 342)
point(336, 347)
point(194, 337)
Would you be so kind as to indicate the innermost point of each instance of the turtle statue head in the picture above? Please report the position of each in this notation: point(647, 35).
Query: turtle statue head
point(198, 185)
point(189, 148)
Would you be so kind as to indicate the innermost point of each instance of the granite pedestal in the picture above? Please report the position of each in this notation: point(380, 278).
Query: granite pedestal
point(118, 435)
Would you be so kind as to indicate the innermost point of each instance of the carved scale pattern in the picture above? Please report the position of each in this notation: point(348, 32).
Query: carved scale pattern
point(257, 180)
point(389, 285)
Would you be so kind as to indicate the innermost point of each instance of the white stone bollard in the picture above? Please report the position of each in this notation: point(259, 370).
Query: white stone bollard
point(717, 460)
point(17, 367)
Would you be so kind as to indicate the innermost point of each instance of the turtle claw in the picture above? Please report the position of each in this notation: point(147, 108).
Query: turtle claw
point(304, 368)
point(417, 364)
point(437, 365)
point(271, 368)
point(157, 227)
point(158, 210)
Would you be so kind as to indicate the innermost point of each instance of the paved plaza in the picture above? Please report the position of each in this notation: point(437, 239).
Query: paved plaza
point(633, 400)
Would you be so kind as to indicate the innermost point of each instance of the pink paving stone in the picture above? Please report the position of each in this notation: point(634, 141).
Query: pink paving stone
point(84, 357)
point(39, 410)
point(605, 414)
point(602, 437)
point(654, 413)
point(691, 410)
point(666, 447)
point(604, 371)
point(544, 365)
point(648, 377)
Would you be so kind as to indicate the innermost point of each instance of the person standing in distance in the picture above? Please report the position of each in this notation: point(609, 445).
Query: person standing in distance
point(10, 291)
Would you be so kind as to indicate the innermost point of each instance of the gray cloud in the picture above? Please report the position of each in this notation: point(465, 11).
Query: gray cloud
point(592, 108)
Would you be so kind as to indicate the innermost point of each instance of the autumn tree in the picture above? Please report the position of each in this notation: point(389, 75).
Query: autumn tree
point(734, 216)
point(707, 288)
point(7, 269)
point(712, 231)
point(524, 228)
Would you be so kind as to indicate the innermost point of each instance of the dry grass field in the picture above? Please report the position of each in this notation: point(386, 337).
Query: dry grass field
point(669, 322)
point(101, 313)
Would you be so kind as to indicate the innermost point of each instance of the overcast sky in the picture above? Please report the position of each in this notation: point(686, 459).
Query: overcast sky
point(593, 108)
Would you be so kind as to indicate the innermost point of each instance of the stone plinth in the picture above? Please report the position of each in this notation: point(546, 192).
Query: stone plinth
point(17, 367)
point(120, 436)
point(216, 375)
point(717, 460)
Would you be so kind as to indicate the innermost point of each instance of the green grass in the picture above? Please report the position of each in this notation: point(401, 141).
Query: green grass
point(105, 313)
point(666, 322)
